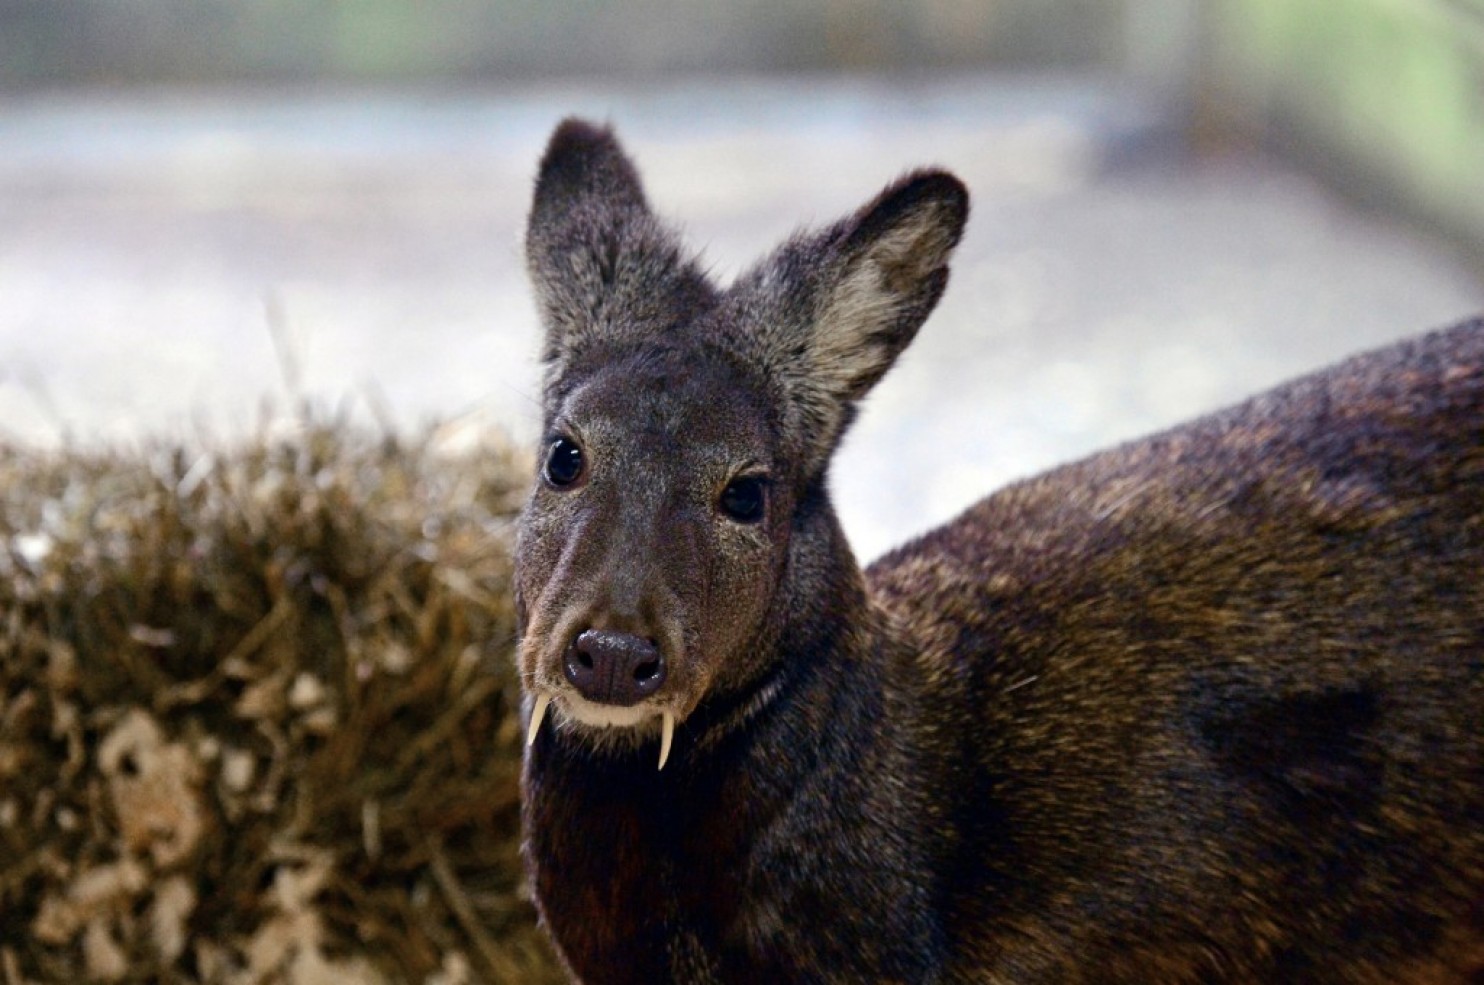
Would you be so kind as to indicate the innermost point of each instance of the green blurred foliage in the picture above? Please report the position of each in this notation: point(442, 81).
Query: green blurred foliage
point(185, 41)
point(1388, 93)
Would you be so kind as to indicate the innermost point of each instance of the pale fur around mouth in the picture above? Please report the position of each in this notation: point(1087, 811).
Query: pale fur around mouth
point(582, 711)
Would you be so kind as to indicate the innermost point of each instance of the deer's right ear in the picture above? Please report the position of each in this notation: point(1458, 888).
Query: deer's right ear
point(585, 176)
point(602, 265)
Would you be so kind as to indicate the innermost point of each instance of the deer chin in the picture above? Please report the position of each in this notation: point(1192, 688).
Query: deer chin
point(585, 712)
point(608, 721)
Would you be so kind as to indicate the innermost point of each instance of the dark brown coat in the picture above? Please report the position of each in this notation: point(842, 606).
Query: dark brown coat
point(1208, 707)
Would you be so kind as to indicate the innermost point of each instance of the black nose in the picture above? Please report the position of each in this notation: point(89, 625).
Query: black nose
point(614, 668)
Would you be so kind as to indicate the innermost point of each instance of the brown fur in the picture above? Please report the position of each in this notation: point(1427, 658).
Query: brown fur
point(1203, 708)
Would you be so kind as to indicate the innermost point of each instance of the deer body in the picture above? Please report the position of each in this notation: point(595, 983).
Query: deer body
point(1208, 707)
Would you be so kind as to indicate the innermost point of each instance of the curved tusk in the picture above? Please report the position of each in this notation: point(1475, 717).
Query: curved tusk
point(667, 735)
point(538, 712)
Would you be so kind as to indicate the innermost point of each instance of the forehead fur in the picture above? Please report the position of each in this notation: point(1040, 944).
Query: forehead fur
point(666, 390)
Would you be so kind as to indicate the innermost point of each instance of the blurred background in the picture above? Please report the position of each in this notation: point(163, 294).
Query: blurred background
point(213, 209)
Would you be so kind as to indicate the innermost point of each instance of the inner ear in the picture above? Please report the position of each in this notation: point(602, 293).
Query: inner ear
point(893, 267)
point(826, 315)
point(910, 229)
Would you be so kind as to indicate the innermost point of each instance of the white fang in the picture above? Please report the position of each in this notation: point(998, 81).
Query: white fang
point(538, 712)
point(667, 735)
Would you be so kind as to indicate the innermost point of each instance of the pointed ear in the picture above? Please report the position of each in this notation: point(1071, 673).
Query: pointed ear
point(892, 269)
point(601, 264)
point(841, 306)
point(585, 169)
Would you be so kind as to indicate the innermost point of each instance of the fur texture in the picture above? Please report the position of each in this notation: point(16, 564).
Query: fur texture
point(1203, 708)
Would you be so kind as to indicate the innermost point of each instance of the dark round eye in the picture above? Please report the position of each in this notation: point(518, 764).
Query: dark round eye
point(744, 499)
point(563, 463)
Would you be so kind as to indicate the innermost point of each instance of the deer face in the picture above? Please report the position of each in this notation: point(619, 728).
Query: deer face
point(651, 545)
point(684, 424)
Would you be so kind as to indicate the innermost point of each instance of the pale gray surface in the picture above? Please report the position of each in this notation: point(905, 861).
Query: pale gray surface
point(1108, 284)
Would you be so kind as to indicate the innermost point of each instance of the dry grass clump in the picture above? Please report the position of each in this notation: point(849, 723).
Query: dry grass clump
point(257, 715)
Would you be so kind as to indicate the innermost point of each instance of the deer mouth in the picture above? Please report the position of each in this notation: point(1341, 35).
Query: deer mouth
point(609, 687)
point(594, 715)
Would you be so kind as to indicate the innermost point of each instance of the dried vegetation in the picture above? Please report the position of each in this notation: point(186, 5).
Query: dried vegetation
point(256, 715)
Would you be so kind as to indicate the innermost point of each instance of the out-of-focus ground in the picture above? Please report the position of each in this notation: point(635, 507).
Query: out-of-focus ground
point(154, 245)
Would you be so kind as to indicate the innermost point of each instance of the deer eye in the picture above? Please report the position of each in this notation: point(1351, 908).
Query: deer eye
point(563, 463)
point(744, 499)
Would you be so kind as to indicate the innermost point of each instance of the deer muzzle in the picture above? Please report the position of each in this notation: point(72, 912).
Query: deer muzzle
point(613, 668)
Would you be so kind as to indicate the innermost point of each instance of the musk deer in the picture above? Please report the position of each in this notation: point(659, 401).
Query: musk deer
point(1208, 707)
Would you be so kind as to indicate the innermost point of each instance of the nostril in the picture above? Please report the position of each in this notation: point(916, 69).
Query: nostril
point(612, 667)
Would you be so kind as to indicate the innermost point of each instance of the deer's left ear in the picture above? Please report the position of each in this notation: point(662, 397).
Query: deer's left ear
point(843, 304)
point(891, 268)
